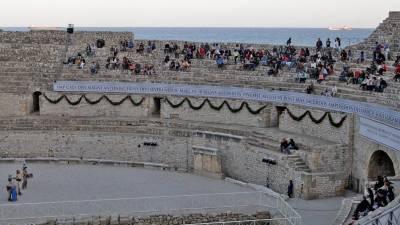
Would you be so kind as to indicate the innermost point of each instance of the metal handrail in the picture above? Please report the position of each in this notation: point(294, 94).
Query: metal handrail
point(146, 205)
point(390, 216)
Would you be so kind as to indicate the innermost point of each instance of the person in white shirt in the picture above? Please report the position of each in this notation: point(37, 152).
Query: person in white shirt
point(334, 90)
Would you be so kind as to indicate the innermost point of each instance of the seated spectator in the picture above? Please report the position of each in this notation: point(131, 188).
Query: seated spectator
point(320, 78)
point(148, 69)
point(302, 76)
point(94, 68)
point(172, 65)
point(140, 48)
point(138, 68)
point(292, 145)
point(334, 90)
point(343, 55)
point(326, 93)
point(380, 85)
point(362, 208)
point(132, 66)
point(264, 60)
point(185, 65)
point(381, 69)
point(364, 83)
point(220, 62)
point(354, 78)
point(310, 88)
point(396, 77)
point(82, 64)
point(345, 74)
point(285, 146)
point(379, 183)
point(166, 59)
point(371, 84)
point(130, 44)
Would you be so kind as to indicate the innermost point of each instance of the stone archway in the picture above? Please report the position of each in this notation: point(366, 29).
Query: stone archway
point(380, 164)
point(35, 102)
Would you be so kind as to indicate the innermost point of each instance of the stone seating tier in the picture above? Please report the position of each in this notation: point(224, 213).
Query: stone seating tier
point(269, 136)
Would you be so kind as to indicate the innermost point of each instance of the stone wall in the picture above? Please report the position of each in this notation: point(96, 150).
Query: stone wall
point(14, 104)
point(96, 145)
point(197, 218)
point(243, 162)
point(364, 148)
point(101, 109)
point(323, 130)
point(224, 116)
point(34, 37)
point(323, 185)
point(31, 52)
point(387, 32)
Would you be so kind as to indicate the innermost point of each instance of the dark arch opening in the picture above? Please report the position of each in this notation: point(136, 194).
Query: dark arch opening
point(35, 102)
point(380, 164)
point(157, 106)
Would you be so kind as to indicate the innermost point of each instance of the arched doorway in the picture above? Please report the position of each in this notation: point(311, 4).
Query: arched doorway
point(380, 164)
point(35, 102)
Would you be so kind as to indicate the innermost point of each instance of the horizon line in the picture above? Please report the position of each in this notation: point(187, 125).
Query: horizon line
point(198, 27)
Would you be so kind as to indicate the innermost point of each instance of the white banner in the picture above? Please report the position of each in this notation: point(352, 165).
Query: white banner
point(380, 133)
point(368, 110)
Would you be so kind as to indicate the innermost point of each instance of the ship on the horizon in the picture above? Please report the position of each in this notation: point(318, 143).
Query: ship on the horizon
point(340, 28)
point(44, 27)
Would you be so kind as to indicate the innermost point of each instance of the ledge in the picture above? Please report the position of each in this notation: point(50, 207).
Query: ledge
point(147, 165)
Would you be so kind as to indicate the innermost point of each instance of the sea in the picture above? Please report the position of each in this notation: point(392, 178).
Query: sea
point(277, 36)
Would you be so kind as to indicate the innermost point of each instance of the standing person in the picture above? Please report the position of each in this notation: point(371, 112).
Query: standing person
point(338, 44)
point(328, 43)
point(290, 189)
point(386, 50)
point(25, 176)
point(319, 44)
point(10, 187)
point(289, 42)
point(18, 178)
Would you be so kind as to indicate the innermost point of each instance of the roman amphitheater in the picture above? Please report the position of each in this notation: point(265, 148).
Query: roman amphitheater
point(200, 134)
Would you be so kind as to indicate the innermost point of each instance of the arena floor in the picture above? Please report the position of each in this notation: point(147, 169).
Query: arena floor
point(63, 182)
point(54, 182)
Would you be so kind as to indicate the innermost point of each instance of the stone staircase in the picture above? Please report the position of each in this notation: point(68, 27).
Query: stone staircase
point(297, 163)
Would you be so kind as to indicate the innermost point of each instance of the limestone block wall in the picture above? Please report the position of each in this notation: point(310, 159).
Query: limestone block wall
point(34, 37)
point(224, 116)
point(14, 104)
point(196, 218)
point(387, 32)
point(31, 52)
point(96, 145)
point(322, 185)
point(102, 109)
point(327, 158)
point(364, 148)
point(244, 162)
point(323, 130)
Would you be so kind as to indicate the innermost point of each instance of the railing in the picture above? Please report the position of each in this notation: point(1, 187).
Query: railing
point(237, 201)
point(388, 217)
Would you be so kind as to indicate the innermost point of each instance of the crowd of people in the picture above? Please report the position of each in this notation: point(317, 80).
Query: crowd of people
point(378, 195)
point(113, 62)
point(17, 183)
point(315, 64)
